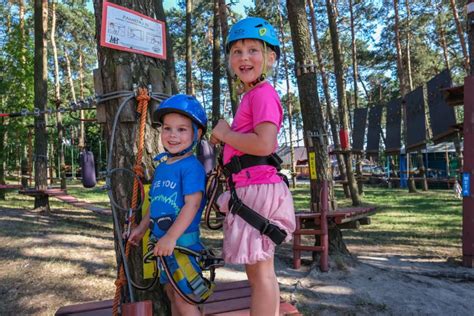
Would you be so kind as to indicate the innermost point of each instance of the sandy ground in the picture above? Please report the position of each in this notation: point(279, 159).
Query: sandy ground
point(374, 281)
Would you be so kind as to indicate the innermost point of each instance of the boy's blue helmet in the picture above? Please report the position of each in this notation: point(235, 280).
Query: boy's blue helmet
point(188, 106)
point(254, 28)
point(183, 104)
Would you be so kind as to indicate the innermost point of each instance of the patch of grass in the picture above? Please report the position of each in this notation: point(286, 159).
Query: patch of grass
point(428, 222)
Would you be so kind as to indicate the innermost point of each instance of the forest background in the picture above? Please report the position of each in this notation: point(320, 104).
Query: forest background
point(430, 35)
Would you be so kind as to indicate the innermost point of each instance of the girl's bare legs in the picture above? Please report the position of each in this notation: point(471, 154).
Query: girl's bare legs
point(265, 289)
point(180, 307)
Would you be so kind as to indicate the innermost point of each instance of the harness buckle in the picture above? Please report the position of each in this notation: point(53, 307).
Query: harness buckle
point(265, 230)
point(199, 286)
point(236, 205)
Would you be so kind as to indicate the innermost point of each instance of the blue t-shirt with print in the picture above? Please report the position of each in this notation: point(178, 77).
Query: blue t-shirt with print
point(171, 182)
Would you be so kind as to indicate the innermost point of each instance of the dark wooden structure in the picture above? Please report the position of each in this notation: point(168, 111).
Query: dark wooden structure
point(416, 119)
point(458, 96)
point(358, 128)
point(229, 299)
point(373, 131)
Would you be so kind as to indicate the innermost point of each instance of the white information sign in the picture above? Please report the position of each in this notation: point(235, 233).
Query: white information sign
point(130, 31)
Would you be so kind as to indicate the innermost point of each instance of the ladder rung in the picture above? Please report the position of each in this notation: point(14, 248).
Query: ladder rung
point(308, 232)
point(308, 248)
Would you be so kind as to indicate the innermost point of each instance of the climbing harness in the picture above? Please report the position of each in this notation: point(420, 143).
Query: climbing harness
point(237, 207)
point(184, 269)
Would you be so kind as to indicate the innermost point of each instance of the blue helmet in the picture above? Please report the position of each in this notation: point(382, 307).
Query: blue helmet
point(254, 28)
point(183, 104)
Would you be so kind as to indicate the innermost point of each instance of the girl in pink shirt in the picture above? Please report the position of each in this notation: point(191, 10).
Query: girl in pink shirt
point(253, 47)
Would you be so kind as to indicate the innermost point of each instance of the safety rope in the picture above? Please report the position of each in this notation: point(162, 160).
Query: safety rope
point(212, 188)
point(143, 100)
point(86, 104)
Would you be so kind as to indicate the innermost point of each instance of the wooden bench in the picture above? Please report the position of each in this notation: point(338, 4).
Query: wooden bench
point(306, 222)
point(229, 299)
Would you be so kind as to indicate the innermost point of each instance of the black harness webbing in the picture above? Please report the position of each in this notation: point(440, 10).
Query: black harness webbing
point(236, 206)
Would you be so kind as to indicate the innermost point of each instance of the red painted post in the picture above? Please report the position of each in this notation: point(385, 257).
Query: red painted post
point(297, 242)
point(324, 226)
point(468, 201)
point(468, 131)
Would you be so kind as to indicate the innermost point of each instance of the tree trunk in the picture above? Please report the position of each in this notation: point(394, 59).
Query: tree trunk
point(119, 71)
point(189, 49)
point(442, 35)
point(315, 136)
point(41, 101)
point(403, 92)
point(289, 100)
point(327, 96)
point(224, 32)
point(216, 67)
point(355, 76)
point(57, 97)
point(82, 128)
point(341, 96)
point(460, 35)
point(408, 32)
point(3, 163)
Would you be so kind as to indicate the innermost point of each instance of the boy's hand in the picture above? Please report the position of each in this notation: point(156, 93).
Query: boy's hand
point(136, 235)
point(219, 132)
point(164, 246)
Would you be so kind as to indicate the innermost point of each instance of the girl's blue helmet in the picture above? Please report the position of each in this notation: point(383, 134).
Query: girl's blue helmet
point(183, 104)
point(254, 28)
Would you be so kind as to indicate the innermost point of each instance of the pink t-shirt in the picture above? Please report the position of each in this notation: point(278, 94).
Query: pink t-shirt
point(261, 104)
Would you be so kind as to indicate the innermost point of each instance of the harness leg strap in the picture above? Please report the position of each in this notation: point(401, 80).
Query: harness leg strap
point(263, 225)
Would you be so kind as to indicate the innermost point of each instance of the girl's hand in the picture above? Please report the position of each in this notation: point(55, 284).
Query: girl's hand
point(164, 246)
point(219, 132)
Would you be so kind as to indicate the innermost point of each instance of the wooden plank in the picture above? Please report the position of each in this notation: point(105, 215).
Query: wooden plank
point(308, 248)
point(124, 82)
point(85, 307)
point(10, 186)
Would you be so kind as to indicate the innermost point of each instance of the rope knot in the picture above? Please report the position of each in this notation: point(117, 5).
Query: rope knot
point(143, 98)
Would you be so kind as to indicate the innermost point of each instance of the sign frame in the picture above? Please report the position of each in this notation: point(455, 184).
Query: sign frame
point(128, 47)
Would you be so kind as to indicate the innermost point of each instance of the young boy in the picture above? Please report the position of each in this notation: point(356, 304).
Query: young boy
point(177, 192)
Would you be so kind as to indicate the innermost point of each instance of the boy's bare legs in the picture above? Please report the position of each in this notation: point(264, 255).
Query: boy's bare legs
point(180, 307)
point(265, 289)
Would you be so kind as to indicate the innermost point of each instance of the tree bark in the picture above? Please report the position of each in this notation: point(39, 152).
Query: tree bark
point(341, 96)
point(119, 71)
point(41, 101)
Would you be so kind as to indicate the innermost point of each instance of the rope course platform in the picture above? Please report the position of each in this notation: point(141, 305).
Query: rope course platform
point(10, 186)
point(69, 199)
point(229, 299)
